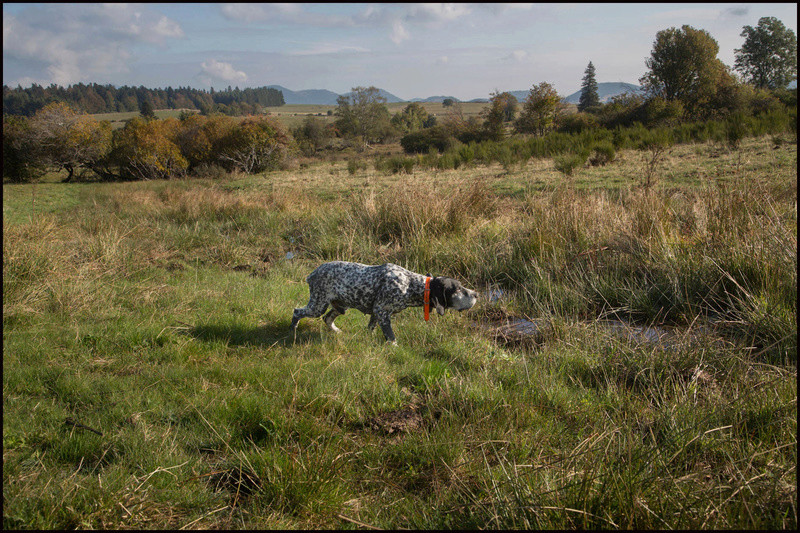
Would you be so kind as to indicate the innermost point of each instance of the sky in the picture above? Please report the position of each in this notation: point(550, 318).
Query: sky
point(411, 50)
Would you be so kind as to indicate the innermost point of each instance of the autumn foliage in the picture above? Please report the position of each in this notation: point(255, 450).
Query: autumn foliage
point(57, 138)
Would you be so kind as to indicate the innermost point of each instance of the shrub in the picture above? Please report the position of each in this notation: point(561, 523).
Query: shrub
point(578, 122)
point(603, 154)
point(21, 160)
point(420, 142)
point(354, 165)
point(147, 149)
point(256, 144)
point(735, 129)
point(395, 164)
point(568, 162)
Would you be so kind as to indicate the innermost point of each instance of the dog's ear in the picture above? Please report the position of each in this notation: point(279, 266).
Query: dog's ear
point(438, 298)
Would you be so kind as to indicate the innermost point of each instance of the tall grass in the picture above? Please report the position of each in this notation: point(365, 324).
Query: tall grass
point(156, 315)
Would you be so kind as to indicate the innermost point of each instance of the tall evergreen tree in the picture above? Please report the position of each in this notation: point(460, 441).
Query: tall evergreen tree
point(589, 96)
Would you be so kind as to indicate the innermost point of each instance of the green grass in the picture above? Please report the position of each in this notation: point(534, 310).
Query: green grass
point(292, 115)
point(157, 313)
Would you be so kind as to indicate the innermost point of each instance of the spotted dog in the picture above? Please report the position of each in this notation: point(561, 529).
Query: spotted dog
point(379, 291)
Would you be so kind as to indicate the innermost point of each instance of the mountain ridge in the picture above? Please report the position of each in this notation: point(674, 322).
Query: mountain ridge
point(605, 90)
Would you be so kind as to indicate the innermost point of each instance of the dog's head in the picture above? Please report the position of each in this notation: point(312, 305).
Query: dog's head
point(447, 293)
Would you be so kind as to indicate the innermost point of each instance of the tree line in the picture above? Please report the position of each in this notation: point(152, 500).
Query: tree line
point(57, 137)
point(685, 85)
point(96, 98)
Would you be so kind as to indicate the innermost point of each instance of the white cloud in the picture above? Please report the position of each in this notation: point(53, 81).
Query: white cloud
point(399, 32)
point(214, 70)
point(282, 13)
point(328, 48)
point(70, 43)
point(437, 12)
point(516, 55)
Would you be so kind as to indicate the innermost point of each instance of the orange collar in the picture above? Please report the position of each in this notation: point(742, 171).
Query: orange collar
point(426, 298)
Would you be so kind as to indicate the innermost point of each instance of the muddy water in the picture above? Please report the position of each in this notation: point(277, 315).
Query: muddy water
point(666, 338)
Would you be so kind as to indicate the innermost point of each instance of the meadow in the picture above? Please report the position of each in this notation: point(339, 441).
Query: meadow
point(292, 115)
point(149, 380)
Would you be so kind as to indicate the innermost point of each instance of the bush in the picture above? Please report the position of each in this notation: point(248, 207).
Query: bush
point(210, 171)
point(578, 122)
point(256, 144)
point(420, 142)
point(735, 129)
point(395, 164)
point(568, 162)
point(21, 159)
point(354, 165)
point(603, 154)
point(147, 149)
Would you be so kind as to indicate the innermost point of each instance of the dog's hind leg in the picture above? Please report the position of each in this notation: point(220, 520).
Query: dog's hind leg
point(334, 313)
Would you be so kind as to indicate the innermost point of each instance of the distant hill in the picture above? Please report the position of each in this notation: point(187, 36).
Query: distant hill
point(308, 96)
point(321, 96)
point(434, 99)
point(390, 98)
point(606, 91)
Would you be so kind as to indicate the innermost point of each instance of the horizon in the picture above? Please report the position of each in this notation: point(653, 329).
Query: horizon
point(466, 51)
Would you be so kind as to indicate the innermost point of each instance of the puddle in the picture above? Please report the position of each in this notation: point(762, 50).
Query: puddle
point(636, 334)
point(515, 330)
point(493, 294)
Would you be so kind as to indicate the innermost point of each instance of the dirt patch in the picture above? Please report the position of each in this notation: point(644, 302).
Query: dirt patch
point(399, 422)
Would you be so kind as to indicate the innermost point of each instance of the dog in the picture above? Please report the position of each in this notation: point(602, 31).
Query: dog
point(379, 291)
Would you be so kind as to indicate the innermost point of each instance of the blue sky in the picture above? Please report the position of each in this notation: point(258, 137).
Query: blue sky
point(410, 50)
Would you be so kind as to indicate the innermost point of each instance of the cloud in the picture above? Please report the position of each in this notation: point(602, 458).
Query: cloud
point(69, 43)
point(328, 48)
point(214, 70)
point(736, 11)
point(498, 8)
point(399, 32)
point(282, 13)
point(516, 55)
point(436, 12)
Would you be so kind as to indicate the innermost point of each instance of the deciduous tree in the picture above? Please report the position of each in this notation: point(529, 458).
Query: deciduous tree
point(768, 57)
point(67, 140)
point(683, 66)
point(363, 114)
point(541, 111)
point(412, 118)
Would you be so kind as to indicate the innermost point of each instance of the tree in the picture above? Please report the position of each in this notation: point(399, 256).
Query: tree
point(589, 96)
point(66, 139)
point(502, 108)
point(363, 114)
point(312, 134)
point(147, 111)
point(412, 118)
point(447, 102)
point(541, 111)
point(148, 149)
point(768, 57)
point(683, 66)
point(21, 158)
point(254, 145)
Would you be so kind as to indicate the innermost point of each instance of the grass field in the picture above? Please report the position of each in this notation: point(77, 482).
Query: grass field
point(149, 381)
point(293, 115)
